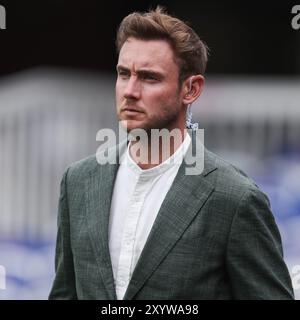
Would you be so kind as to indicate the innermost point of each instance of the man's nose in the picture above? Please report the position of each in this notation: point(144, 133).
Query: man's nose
point(132, 90)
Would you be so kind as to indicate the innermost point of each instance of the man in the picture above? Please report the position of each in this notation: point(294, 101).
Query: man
point(145, 230)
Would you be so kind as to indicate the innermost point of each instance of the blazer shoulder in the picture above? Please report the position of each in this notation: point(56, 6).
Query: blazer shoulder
point(79, 170)
point(228, 176)
point(82, 167)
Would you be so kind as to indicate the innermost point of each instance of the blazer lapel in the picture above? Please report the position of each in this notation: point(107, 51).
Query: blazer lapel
point(184, 200)
point(99, 188)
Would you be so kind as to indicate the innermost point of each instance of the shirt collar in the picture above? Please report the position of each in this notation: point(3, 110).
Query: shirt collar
point(175, 160)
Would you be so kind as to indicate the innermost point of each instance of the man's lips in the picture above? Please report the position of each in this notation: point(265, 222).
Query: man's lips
point(132, 110)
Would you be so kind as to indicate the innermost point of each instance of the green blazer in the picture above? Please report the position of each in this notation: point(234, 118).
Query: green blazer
point(214, 238)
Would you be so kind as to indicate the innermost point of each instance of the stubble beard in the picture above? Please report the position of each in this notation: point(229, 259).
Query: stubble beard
point(167, 119)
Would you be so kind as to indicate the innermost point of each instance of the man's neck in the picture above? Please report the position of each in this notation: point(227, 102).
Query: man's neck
point(148, 155)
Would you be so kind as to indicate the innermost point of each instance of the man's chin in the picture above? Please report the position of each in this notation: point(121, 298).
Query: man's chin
point(129, 125)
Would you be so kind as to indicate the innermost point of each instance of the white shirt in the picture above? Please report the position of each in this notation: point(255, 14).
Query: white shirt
point(137, 197)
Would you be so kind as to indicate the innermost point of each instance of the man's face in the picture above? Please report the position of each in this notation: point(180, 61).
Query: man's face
point(148, 95)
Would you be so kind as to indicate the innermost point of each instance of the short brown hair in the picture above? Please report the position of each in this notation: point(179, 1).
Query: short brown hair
point(190, 52)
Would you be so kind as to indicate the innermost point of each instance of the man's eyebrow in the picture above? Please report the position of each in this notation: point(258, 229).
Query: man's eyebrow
point(150, 72)
point(120, 67)
point(142, 71)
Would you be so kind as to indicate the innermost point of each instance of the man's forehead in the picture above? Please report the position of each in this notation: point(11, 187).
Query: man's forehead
point(146, 54)
point(137, 63)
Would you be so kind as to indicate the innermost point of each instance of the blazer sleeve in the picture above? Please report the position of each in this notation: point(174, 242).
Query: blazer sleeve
point(64, 283)
point(254, 251)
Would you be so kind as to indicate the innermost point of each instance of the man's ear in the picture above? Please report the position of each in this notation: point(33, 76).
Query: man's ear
point(193, 87)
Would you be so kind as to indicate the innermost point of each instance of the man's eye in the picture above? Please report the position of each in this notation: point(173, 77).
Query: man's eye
point(123, 74)
point(149, 77)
